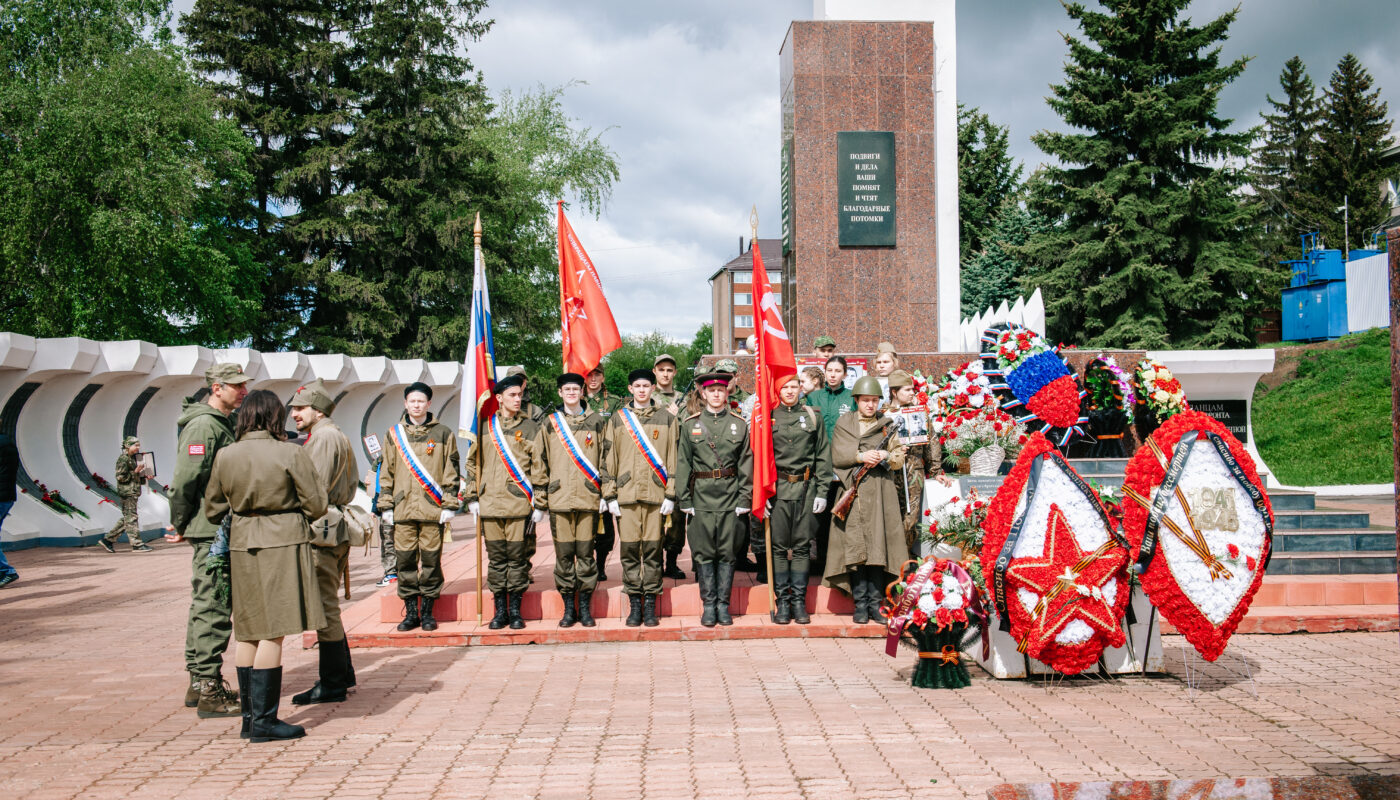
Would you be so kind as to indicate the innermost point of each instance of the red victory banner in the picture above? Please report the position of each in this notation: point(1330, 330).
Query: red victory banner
point(774, 366)
point(589, 330)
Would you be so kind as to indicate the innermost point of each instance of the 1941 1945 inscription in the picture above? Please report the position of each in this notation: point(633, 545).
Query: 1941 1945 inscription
point(865, 188)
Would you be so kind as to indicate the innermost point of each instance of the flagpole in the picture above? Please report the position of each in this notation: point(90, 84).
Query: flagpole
point(758, 361)
point(476, 518)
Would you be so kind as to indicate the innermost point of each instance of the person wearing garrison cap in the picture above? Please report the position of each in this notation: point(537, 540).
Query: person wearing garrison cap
point(713, 479)
point(741, 404)
point(129, 480)
point(640, 488)
point(329, 450)
point(803, 461)
point(507, 489)
point(574, 448)
point(418, 496)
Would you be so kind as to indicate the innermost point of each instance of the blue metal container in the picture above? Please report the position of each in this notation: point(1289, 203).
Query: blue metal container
point(1326, 265)
point(1298, 272)
point(1366, 253)
point(1315, 312)
point(1295, 314)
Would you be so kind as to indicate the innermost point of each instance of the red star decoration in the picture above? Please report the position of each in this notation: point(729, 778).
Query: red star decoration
point(1056, 565)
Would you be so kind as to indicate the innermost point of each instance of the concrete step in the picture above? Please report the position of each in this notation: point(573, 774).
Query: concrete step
point(1342, 563)
point(1320, 519)
point(1326, 590)
point(1370, 540)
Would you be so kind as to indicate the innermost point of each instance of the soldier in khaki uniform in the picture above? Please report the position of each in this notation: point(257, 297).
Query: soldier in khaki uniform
point(641, 490)
point(420, 503)
point(604, 404)
point(920, 461)
point(329, 450)
point(741, 403)
point(714, 474)
point(803, 458)
point(130, 478)
point(667, 395)
point(574, 448)
point(507, 492)
point(205, 427)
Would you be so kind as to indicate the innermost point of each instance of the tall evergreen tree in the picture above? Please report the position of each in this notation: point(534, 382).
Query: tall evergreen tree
point(995, 273)
point(987, 178)
point(1355, 129)
point(1281, 166)
point(1145, 245)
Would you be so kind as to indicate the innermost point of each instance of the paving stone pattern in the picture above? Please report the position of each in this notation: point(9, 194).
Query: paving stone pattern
point(91, 683)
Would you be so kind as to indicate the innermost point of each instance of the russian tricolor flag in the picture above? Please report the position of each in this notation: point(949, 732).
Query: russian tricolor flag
point(479, 368)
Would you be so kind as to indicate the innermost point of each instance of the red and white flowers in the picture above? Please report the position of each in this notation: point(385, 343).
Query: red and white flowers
point(1159, 389)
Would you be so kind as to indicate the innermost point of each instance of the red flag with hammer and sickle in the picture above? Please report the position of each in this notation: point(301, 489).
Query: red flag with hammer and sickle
point(589, 330)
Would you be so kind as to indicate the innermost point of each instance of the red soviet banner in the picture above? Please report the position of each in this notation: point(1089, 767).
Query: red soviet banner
point(589, 330)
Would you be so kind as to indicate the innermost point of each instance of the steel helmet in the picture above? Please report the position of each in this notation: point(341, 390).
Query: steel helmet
point(867, 385)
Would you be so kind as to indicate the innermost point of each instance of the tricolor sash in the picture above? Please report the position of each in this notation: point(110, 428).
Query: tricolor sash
point(508, 459)
point(571, 446)
point(639, 436)
point(415, 467)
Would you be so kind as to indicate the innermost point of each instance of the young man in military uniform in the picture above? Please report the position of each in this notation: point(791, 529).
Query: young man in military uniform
point(508, 492)
point(714, 478)
point(205, 428)
point(574, 448)
point(602, 403)
point(418, 495)
point(535, 413)
point(741, 403)
point(833, 400)
point(666, 394)
point(824, 346)
point(130, 478)
point(803, 460)
point(329, 450)
point(640, 488)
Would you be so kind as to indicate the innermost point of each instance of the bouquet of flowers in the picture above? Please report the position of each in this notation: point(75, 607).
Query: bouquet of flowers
point(933, 602)
point(970, 430)
point(965, 388)
point(921, 387)
point(55, 500)
point(1015, 346)
point(957, 522)
point(1029, 372)
point(1159, 396)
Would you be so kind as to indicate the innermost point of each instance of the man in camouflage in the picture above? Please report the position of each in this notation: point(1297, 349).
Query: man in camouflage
point(130, 478)
point(574, 448)
point(673, 400)
point(205, 428)
point(604, 404)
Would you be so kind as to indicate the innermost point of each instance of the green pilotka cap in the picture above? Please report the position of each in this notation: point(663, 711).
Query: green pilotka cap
point(314, 394)
point(130, 441)
point(225, 373)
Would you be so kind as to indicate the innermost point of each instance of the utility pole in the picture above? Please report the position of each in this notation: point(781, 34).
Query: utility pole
point(1345, 208)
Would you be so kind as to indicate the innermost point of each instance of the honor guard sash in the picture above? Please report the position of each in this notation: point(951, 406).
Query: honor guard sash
point(639, 436)
point(517, 475)
point(571, 446)
point(415, 467)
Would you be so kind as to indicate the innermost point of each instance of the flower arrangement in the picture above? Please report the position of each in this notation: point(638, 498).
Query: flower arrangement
point(1159, 390)
point(56, 501)
point(921, 387)
point(1015, 346)
point(957, 522)
point(1109, 387)
point(965, 388)
point(968, 431)
point(933, 603)
point(1035, 374)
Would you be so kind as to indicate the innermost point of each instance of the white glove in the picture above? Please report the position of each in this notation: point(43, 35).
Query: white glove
point(602, 506)
point(536, 516)
point(614, 508)
point(741, 511)
point(689, 512)
point(667, 506)
point(446, 516)
point(818, 505)
point(767, 508)
point(387, 517)
point(474, 508)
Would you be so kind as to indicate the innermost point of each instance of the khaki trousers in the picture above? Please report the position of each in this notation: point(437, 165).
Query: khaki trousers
point(415, 542)
point(639, 529)
point(331, 563)
point(575, 568)
point(507, 553)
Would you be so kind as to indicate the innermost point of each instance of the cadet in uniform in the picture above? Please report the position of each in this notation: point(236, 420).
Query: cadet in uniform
point(886, 360)
point(418, 484)
point(740, 403)
point(714, 478)
point(205, 427)
point(574, 449)
point(920, 461)
point(824, 346)
point(507, 492)
point(803, 460)
point(870, 541)
point(667, 395)
point(329, 450)
point(640, 487)
point(604, 404)
point(833, 400)
point(130, 477)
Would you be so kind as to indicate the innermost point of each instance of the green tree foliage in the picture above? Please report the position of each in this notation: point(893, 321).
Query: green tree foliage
point(1281, 167)
point(702, 345)
point(638, 351)
point(1355, 129)
point(987, 178)
point(1146, 243)
point(117, 182)
point(995, 272)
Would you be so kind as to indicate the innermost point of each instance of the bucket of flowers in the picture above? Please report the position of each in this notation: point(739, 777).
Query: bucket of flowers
point(931, 606)
point(984, 437)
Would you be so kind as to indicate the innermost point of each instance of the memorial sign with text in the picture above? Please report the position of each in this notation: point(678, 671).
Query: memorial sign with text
point(865, 188)
point(1233, 414)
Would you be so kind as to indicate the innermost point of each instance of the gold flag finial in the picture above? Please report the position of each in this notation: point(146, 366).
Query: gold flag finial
point(753, 222)
point(476, 229)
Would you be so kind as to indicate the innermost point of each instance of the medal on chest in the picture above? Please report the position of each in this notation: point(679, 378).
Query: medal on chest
point(519, 436)
point(431, 445)
point(733, 428)
point(802, 420)
point(656, 434)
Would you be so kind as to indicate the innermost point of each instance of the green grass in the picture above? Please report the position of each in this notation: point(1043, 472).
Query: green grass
point(1331, 423)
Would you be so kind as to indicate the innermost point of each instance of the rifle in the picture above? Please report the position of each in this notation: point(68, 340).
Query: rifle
point(848, 497)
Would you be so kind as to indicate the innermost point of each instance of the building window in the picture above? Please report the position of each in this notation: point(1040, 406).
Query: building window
point(743, 299)
point(743, 321)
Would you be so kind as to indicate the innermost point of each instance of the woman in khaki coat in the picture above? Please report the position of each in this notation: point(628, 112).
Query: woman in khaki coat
point(869, 543)
point(272, 491)
point(920, 462)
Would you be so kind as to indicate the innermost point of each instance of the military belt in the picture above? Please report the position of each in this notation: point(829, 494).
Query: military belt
point(718, 473)
point(796, 477)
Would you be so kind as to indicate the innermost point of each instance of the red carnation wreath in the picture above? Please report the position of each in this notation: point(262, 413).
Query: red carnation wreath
point(1215, 529)
point(1080, 592)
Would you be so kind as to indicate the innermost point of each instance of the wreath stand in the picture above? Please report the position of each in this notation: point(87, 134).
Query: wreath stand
point(1192, 662)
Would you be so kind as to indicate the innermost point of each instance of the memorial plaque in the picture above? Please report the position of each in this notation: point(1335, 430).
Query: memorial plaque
point(1233, 414)
point(865, 188)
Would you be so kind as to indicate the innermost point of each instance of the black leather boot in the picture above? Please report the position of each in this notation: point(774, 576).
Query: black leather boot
point(724, 584)
point(797, 597)
point(334, 666)
point(743, 563)
point(760, 574)
point(780, 592)
point(673, 570)
point(265, 688)
point(569, 618)
point(649, 610)
point(875, 588)
point(705, 577)
point(585, 609)
point(517, 622)
point(600, 557)
point(634, 616)
point(243, 693)
point(861, 615)
point(410, 614)
point(429, 623)
point(499, 621)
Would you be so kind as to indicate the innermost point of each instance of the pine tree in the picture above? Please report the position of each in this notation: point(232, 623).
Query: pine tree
point(995, 273)
point(1281, 166)
point(1146, 244)
point(1355, 129)
point(987, 177)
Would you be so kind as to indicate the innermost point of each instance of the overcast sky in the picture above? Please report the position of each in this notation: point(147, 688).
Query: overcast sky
point(687, 94)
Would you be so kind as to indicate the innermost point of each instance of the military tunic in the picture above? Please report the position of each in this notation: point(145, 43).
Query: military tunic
point(803, 459)
point(128, 491)
point(506, 506)
point(632, 481)
point(714, 476)
point(328, 448)
point(673, 535)
point(873, 533)
point(417, 532)
point(574, 498)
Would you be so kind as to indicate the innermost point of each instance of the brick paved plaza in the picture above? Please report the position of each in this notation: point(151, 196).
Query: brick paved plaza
point(91, 683)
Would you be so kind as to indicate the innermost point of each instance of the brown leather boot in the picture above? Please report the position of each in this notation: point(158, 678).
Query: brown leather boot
point(217, 700)
point(192, 693)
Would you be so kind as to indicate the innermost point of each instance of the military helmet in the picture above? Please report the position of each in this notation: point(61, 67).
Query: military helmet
point(867, 385)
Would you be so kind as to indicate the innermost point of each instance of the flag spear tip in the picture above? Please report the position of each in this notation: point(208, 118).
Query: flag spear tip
point(753, 221)
point(476, 228)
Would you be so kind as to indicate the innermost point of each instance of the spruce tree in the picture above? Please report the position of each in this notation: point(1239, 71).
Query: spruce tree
point(987, 178)
point(995, 273)
point(1281, 166)
point(1146, 244)
point(1355, 129)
